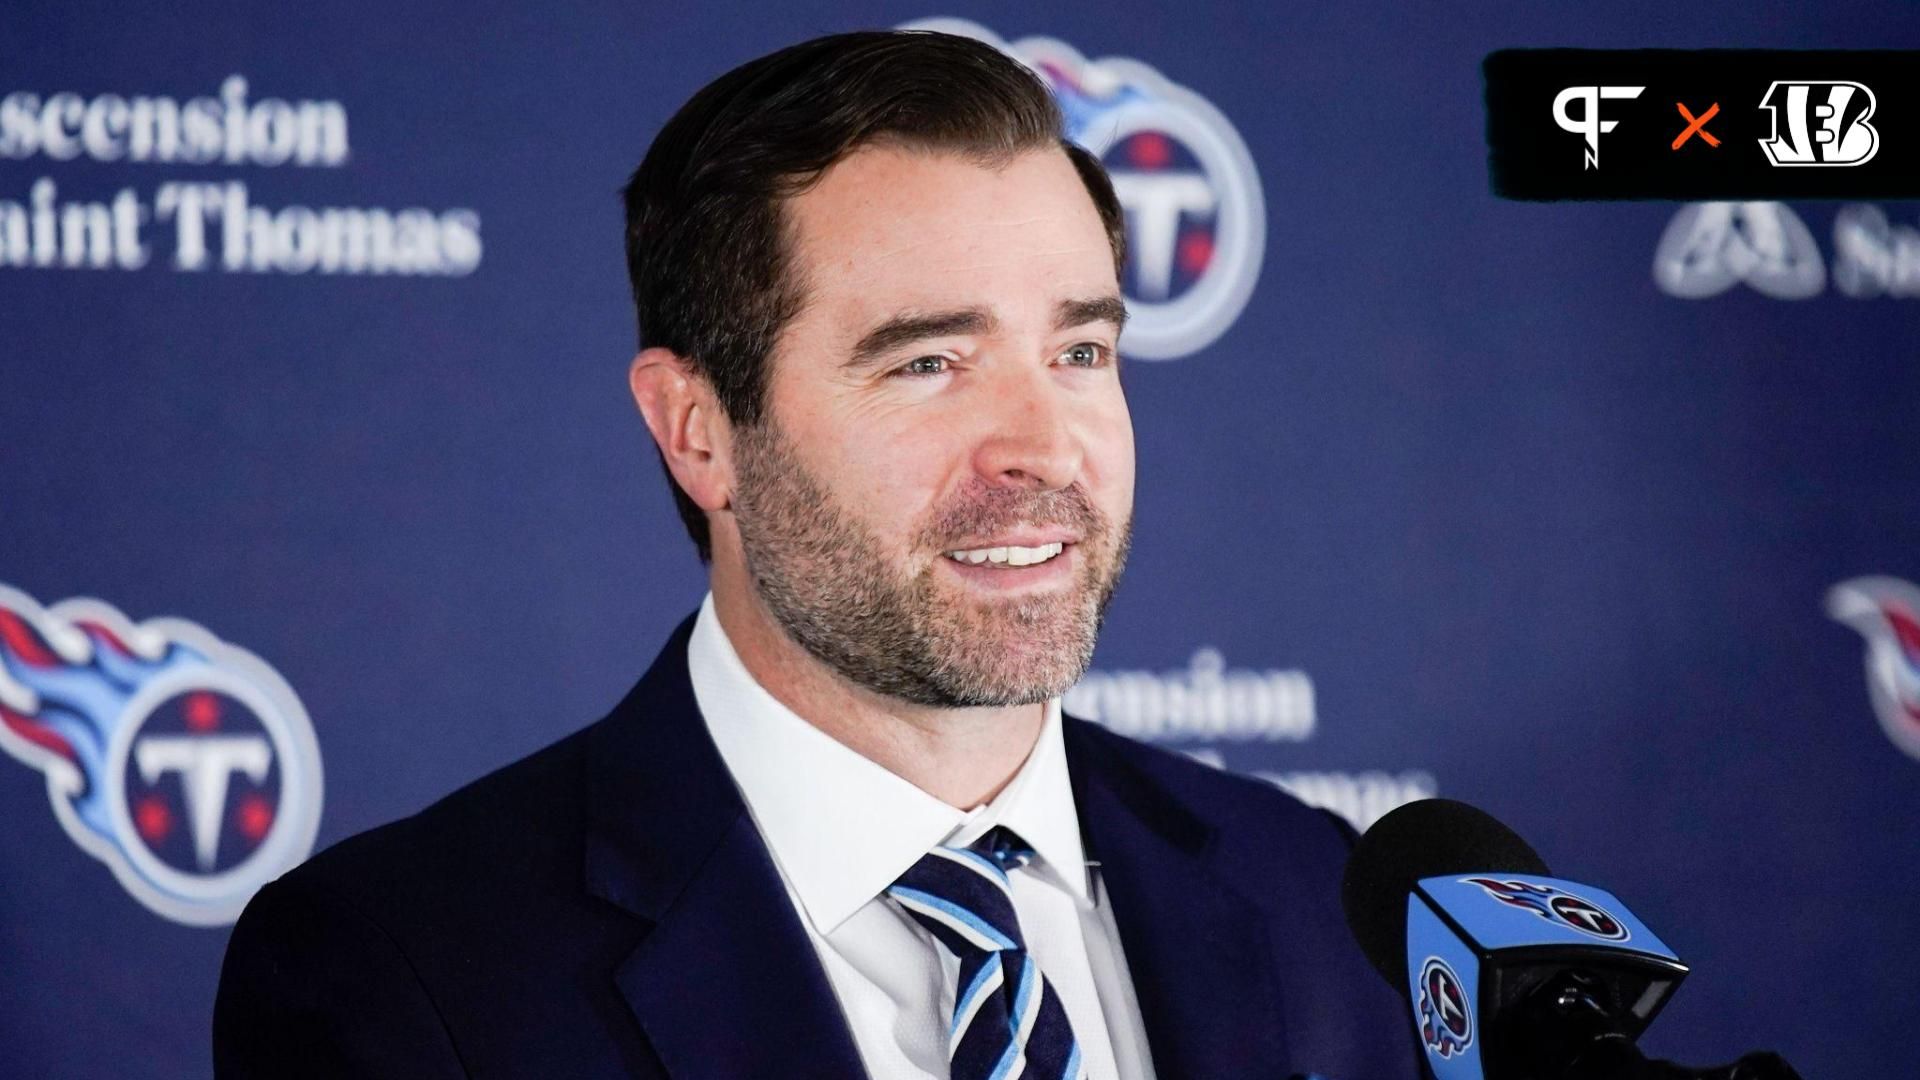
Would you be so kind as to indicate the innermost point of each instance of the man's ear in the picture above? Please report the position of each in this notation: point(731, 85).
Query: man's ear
point(687, 424)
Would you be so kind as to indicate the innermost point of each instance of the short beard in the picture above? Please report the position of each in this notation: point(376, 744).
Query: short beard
point(830, 584)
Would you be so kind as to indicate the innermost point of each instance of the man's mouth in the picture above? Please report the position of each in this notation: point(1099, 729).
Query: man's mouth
point(1009, 556)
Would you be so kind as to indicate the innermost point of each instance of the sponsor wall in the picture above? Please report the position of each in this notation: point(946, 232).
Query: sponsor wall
point(324, 494)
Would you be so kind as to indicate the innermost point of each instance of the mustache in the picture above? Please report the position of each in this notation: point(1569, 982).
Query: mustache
point(983, 509)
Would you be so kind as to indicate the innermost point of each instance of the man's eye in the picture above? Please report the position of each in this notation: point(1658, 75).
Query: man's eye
point(1086, 354)
point(925, 365)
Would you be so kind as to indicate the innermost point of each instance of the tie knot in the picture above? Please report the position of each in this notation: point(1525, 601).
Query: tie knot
point(962, 895)
point(1004, 847)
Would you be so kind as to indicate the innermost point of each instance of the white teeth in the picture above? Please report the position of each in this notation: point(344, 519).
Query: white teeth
point(1008, 556)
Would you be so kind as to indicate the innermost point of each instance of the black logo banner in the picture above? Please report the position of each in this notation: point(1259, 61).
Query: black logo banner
point(1703, 124)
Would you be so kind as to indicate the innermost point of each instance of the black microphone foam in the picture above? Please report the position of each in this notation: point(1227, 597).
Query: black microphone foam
point(1422, 839)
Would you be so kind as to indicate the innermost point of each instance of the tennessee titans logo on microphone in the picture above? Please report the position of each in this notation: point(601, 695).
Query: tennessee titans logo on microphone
point(1557, 906)
point(1196, 218)
point(1446, 1017)
point(1886, 612)
point(182, 762)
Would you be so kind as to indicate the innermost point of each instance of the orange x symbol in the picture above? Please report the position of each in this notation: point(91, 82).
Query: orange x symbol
point(1699, 125)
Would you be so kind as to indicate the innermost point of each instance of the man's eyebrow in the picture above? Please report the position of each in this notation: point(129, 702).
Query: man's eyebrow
point(909, 327)
point(1106, 309)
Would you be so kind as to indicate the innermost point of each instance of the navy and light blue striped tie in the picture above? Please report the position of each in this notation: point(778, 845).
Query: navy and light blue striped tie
point(1007, 1021)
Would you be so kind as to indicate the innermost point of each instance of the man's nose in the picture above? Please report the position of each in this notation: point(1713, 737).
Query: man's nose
point(1030, 440)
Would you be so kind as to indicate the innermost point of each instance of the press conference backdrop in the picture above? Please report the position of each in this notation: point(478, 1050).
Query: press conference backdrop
point(322, 493)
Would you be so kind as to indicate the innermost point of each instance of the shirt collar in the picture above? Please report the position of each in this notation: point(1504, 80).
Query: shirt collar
point(1038, 805)
point(841, 827)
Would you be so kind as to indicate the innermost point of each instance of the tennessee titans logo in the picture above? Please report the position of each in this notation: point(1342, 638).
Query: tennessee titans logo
point(1196, 218)
point(1556, 906)
point(1446, 1018)
point(184, 763)
point(1886, 611)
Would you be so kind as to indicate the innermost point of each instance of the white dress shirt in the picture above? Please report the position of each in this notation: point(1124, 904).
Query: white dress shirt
point(841, 828)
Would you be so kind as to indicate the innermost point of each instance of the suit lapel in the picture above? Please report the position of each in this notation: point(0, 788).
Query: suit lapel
point(726, 983)
point(1197, 951)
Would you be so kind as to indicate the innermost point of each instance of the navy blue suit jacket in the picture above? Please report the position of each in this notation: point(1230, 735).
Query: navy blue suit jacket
point(606, 908)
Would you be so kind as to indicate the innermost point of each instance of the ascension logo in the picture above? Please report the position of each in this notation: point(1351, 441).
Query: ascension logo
point(1446, 1018)
point(1710, 247)
point(1196, 219)
point(1886, 612)
point(1555, 906)
point(184, 763)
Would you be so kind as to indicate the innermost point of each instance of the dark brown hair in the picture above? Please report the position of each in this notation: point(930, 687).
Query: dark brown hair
point(706, 249)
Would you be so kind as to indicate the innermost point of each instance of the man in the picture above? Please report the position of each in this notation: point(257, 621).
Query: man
point(841, 827)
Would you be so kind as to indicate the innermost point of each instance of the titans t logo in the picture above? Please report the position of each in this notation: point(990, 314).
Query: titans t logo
point(1886, 612)
point(182, 762)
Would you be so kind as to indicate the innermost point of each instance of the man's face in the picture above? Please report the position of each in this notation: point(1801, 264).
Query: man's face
point(949, 386)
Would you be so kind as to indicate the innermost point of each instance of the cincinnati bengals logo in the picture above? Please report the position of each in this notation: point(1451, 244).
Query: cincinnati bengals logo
point(1821, 123)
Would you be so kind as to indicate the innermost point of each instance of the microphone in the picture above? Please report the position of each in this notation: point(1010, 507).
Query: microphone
point(1512, 973)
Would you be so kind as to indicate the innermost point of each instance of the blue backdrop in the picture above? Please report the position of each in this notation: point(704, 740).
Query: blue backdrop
point(312, 389)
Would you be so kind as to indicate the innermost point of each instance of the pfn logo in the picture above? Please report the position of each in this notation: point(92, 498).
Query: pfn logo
point(184, 763)
point(1826, 124)
point(1589, 125)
